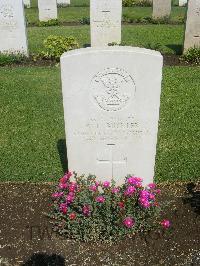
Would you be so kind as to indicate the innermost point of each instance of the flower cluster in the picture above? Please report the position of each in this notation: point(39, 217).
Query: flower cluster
point(87, 209)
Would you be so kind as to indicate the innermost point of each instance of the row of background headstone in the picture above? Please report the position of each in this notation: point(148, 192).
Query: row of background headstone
point(105, 16)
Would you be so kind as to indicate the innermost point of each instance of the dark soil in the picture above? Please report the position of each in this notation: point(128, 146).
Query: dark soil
point(26, 237)
point(169, 60)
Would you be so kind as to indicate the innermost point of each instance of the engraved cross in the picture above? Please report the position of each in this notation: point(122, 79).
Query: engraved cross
point(113, 159)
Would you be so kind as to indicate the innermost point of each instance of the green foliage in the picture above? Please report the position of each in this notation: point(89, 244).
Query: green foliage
point(49, 23)
point(85, 21)
point(55, 46)
point(131, 3)
point(192, 56)
point(88, 210)
point(8, 59)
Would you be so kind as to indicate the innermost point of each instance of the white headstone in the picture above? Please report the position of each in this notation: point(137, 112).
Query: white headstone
point(47, 9)
point(183, 2)
point(63, 2)
point(111, 102)
point(161, 8)
point(192, 30)
point(27, 3)
point(105, 22)
point(12, 27)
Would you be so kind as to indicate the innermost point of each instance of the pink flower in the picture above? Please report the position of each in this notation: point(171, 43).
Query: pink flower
point(129, 191)
point(97, 183)
point(144, 193)
point(158, 191)
point(128, 222)
point(93, 188)
point(63, 208)
point(136, 181)
point(106, 184)
point(100, 199)
point(72, 216)
point(86, 210)
point(57, 194)
point(115, 190)
point(72, 187)
point(152, 196)
point(166, 224)
point(152, 186)
point(62, 185)
point(70, 197)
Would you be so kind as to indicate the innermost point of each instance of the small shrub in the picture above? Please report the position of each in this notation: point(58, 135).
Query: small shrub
point(55, 46)
point(130, 3)
point(87, 210)
point(62, 5)
point(164, 20)
point(85, 21)
point(192, 56)
point(49, 23)
point(11, 58)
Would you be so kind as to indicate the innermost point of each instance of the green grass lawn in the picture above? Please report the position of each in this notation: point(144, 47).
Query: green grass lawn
point(165, 38)
point(75, 14)
point(32, 124)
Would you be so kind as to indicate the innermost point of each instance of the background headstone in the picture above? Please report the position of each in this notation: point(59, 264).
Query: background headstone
point(111, 102)
point(27, 3)
point(47, 9)
point(12, 27)
point(63, 2)
point(183, 2)
point(192, 30)
point(161, 8)
point(105, 22)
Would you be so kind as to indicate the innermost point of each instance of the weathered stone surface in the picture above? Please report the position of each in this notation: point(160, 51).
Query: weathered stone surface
point(63, 2)
point(105, 22)
point(111, 100)
point(192, 30)
point(161, 8)
point(47, 9)
point(12, 27)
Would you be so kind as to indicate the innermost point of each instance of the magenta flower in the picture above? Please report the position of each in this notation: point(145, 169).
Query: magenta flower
point(144, 193)
point(70, 197)
point(63, 185)
point(115, 190)
point(93, 188)
point(128, 222)
point(86, 210)
point(130, 190)
point(106, 184)
point(152, 196)
point(136, 181)
point(152, 186)
point(57, 194)
point(100, 199)
point(166, 224)
point(72, 187)
point(63, 208)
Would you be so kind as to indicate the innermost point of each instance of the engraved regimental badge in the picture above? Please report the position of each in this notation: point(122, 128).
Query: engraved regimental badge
point(112, 89)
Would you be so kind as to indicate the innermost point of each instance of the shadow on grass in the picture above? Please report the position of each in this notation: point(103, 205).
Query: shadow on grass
point(194, 198)
point(42, 259)
point(62, 150)
point(86, 45)
point(176, 47)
